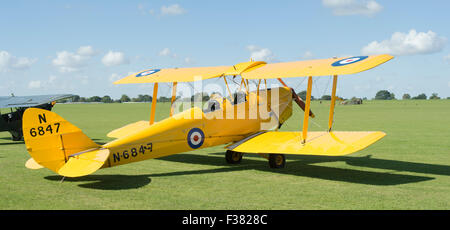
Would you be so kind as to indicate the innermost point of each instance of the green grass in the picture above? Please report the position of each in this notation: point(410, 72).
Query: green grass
point(408, 169)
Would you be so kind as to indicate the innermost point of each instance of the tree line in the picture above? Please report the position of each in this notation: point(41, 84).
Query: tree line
point(126, 98)
point(108, 99)
point(386, 95)
point(380, 95)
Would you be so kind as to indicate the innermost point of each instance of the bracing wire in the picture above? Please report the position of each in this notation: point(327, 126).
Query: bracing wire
point(296, 87)
point(328, 84)
point(323, 93)
point(315, 84)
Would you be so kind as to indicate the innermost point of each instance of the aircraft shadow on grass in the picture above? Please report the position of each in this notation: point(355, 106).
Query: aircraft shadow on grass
point(302, 166)
point(10, 142)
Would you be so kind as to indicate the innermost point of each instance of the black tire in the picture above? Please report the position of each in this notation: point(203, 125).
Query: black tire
point(233, 157)
point(277, 161)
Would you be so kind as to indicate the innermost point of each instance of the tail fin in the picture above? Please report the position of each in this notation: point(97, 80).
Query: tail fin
point(59, 145)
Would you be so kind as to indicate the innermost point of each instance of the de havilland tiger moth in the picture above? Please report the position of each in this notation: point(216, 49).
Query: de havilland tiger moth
point(246, 123)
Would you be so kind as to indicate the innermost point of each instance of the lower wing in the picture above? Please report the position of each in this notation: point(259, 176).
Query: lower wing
point(318, 143)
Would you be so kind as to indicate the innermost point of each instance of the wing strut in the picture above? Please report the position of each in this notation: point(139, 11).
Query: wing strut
point(155, 97)
point(282, 82)
point(174, 96)
point(307, 109)
point(333, 101)
point(228, 88)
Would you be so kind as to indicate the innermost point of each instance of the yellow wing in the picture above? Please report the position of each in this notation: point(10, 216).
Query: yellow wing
point(174, 75)
point(318, 143)
point(322, 67)
point(261, 70)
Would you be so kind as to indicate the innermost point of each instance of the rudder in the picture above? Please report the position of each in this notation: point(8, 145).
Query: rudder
point(59, 145)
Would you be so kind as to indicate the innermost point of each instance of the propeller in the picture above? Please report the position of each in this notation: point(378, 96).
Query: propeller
point(300, 102)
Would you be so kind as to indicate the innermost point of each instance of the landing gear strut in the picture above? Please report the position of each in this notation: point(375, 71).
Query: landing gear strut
point(16, 135)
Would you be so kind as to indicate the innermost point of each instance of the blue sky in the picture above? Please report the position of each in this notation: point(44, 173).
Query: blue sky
point(81, 47)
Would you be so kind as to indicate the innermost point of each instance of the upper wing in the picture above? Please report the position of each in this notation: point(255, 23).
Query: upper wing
point(174, 75)
point(322, 67)
point(261, 70)
point(30, 101)
point(317, 143)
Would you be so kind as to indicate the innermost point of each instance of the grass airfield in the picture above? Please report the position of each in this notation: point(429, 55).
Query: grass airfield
point(407, 169)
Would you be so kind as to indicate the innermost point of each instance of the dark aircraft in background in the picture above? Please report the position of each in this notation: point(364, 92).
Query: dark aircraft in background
point(12, 121)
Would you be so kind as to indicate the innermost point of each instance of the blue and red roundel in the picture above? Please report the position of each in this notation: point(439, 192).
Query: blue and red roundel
point(147, 72)
point(195, 138)
point(350, 60)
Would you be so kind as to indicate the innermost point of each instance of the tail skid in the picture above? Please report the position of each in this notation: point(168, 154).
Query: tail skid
point(60, 146)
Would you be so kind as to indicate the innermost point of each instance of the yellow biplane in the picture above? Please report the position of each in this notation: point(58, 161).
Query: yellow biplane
point(248, 122)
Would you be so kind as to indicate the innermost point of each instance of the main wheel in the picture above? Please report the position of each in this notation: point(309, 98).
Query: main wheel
point(233, 157)
point(277, 160)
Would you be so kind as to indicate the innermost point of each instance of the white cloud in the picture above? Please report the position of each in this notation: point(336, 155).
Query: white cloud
point(52, 79)
point(84, 80)
point(114, 77)
point(407, 44)
point(166, 52)
point(34, 84)
point(114, 59)
point(143, 10)
point(9, 62)
point(353, 7)
point(67, 62)
point(447, 59)
point(307, 55)
point(260, 54)
point(188, 60)
point(173, 9)
point(50, 83)
point(86, 51)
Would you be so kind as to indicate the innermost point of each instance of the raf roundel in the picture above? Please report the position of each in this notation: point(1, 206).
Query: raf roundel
point(195, 138)
point(147, 72)
point(347, 61)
